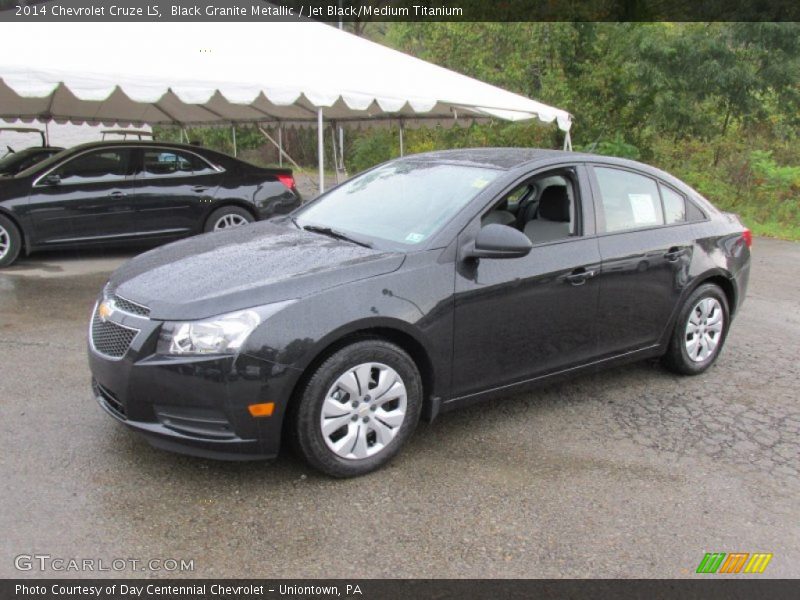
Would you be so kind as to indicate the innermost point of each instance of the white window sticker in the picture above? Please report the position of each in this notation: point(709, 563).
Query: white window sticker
point(415, 238)
point(643, 207)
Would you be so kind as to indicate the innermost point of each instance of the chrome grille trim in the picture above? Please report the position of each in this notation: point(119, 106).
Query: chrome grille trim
point(130, 307)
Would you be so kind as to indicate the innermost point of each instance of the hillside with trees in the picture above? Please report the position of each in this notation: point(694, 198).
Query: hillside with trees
point(717, 104)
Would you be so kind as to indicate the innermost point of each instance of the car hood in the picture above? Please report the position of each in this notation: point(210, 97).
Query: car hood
point(249, 266)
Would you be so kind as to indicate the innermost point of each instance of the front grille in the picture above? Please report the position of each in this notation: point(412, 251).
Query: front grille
point(111, 339)
point(111, 401)
point(130, 307)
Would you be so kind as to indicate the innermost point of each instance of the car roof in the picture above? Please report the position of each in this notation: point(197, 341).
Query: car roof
point(509, 159)
point(38, 150)
point(143, 143)
point(493, 158)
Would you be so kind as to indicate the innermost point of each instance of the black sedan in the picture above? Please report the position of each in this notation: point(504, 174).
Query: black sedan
point(134, 192)
point(424, 284)
point(15, 162)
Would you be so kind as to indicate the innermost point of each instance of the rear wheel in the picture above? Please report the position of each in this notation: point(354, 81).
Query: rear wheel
point(358, 409)
point(228, 217)
point(10, 241)
point(700, 331)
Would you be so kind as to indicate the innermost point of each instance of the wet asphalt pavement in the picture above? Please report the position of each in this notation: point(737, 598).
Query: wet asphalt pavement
point(634, 472)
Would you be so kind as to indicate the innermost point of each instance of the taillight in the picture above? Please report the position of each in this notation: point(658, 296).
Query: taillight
point(287, 180)
point(747, 236)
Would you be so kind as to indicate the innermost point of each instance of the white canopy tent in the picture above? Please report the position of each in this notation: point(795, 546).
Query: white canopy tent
point(227, 73)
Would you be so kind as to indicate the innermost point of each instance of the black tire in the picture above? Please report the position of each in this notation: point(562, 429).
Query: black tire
point(677, 358)
point(10, 242)
point(308, 439)
point(225, 211)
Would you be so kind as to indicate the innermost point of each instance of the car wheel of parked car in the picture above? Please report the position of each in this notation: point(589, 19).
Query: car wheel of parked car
point(699, 332)
point(228, 217)
point(358, 408)
point(10, 242)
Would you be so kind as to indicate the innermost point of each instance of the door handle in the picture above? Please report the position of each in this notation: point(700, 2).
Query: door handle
point(117, 194)
point(199, 188)
point(580, 275)
point(674, 254)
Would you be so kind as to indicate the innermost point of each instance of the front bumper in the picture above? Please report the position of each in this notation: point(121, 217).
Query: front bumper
point(193, 405)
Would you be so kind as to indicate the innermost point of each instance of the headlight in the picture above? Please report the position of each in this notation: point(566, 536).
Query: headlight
point(225, 334)
point(221, 335)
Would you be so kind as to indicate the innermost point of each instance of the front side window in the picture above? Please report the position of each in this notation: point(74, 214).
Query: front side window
point(161, 162)
point(544, 208)
point(403, 202)
point(98, 166)
point(628, 200)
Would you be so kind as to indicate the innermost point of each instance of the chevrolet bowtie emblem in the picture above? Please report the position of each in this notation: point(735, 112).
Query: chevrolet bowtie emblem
point(105, 310)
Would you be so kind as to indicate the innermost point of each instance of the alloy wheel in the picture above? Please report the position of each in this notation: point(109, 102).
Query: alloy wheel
point(704, 329)
point(363, 411)
point(230, 220)
point(5, 242)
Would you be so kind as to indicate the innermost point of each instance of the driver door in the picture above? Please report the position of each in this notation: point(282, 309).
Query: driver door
point(88, 198)
point(517, 319)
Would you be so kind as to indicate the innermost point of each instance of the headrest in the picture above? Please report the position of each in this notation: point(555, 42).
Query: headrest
point(554, 204)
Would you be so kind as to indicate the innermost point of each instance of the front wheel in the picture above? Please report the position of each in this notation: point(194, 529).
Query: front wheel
point(358, 409)
point(10, 242)
point(700, 331)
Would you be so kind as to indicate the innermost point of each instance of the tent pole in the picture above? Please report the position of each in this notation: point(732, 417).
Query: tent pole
point(47, 133)
point(402, 148)
point(280, 145)
point(341, 146)
point(567, 142)
point(233, 134)
point(335, 150)
point(321, 150)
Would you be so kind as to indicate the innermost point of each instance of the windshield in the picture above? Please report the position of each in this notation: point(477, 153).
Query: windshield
point(403, 202)
point(40, 165)
point(12, 160)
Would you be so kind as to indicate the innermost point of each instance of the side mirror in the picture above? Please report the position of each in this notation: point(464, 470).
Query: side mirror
point(51, 179)
point(498, 241)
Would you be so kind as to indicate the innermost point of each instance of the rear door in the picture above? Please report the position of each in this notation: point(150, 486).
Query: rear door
point(645, 258)
point(87, 198)
point(174, 191)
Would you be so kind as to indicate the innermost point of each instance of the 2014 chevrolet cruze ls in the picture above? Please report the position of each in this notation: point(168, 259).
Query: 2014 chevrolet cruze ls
point(426, 283)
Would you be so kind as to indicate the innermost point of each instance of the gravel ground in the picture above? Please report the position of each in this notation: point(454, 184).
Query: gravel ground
point(634, 472)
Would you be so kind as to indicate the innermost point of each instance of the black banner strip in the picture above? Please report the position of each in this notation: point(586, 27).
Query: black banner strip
point(400, 10)
point(389, 589)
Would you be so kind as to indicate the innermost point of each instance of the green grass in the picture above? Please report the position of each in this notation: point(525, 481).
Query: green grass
point(775, 229)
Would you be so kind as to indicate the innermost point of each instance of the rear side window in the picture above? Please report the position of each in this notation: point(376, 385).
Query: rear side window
point(159, 163)
point(674, 206)
point(629, 200)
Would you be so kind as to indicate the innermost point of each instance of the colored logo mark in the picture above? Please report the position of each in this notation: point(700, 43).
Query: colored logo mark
point(735, 562)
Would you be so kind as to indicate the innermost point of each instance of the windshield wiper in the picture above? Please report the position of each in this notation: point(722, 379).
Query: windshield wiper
point(335, 234)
